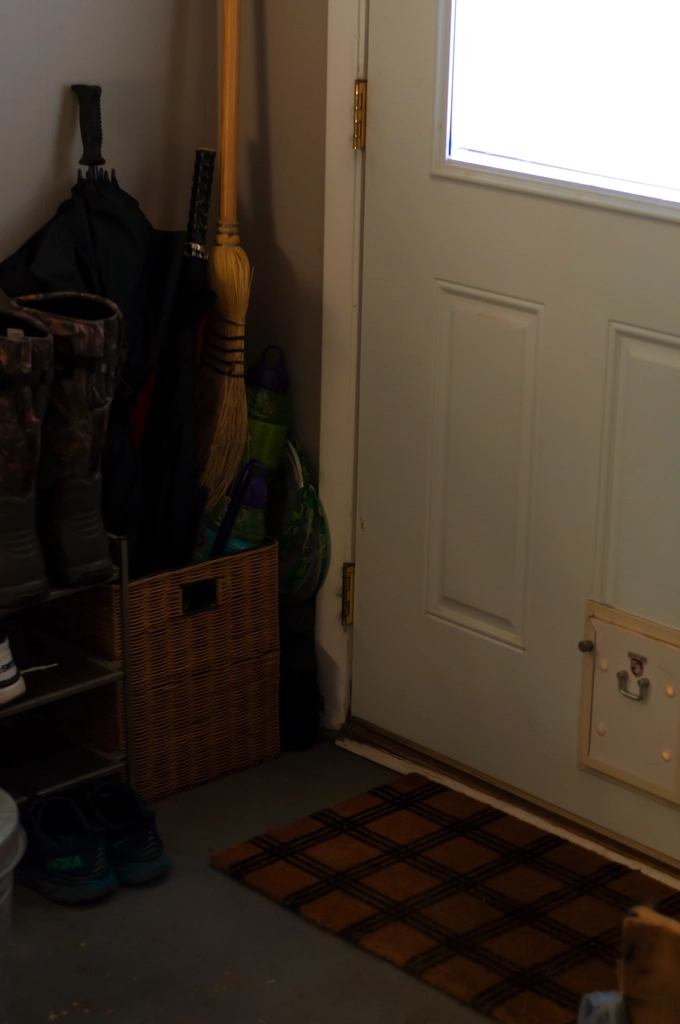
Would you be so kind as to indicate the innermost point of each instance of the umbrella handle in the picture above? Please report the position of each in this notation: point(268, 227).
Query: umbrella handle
point(89, 99)
point(235, 504)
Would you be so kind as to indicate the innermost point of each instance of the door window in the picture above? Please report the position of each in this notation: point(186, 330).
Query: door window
point(583, 92)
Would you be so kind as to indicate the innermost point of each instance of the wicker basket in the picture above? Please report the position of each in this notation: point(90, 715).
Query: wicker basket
point(205, 669)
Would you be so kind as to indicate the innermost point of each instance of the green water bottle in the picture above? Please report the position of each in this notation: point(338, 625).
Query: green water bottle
point(269, 409)
point(249, 530)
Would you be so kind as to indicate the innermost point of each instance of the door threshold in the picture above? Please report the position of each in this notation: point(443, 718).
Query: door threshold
point(393, 752)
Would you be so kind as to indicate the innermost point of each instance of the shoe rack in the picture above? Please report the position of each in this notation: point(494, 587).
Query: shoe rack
point(36, 756)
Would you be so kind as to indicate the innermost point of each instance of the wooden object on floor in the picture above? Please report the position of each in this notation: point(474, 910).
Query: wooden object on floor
point(650, 967)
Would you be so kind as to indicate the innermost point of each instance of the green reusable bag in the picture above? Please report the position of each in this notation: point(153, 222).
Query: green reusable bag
point(304, 543)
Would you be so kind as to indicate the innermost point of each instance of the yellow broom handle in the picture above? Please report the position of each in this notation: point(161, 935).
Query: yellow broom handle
point(229, 122)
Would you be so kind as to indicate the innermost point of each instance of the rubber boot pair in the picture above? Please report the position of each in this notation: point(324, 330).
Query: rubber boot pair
point(59, 360)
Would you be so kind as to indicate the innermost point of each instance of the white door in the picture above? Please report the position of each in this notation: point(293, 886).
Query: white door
point(519, 434)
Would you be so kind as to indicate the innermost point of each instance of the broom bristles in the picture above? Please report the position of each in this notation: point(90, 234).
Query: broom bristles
point(221, 406)
point(230, 277)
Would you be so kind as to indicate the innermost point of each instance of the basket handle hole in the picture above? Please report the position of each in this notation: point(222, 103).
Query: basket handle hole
point(198, 597)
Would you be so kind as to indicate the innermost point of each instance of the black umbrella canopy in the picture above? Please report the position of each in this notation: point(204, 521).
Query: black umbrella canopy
point(173, 502)
point(100, 242)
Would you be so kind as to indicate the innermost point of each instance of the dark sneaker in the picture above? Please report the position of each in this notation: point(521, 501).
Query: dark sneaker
point(65, 857)
point(134, 847)
point(12, 683)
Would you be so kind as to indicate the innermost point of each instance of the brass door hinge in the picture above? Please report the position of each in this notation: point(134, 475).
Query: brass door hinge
point(360, 100)
point(348, 594)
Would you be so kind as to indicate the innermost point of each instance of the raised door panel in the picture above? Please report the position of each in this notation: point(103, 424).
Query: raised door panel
point(483, 457)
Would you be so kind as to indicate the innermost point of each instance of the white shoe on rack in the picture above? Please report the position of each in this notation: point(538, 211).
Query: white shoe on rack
point(12, 683)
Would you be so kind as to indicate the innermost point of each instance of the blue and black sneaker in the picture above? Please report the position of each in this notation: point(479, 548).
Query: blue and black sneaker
point(65, 858)
point(134, 847)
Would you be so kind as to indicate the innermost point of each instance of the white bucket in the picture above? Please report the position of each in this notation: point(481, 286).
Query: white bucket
point(12, 845)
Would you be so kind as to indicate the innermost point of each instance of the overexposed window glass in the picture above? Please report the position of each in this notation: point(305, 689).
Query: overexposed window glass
point(586, 91)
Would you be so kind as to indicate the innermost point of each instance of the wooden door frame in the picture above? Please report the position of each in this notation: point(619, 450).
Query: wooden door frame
point(344, 184)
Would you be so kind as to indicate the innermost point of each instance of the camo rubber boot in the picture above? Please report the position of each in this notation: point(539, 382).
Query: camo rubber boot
point(26, 354)
point(88, 346)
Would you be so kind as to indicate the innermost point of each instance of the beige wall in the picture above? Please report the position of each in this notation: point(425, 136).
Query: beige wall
point(157, 63)
point(283, 104)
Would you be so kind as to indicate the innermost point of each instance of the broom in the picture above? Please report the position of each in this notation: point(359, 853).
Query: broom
point(221, 406)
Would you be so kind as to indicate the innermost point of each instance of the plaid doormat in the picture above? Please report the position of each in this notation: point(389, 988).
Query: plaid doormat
point(514, 921)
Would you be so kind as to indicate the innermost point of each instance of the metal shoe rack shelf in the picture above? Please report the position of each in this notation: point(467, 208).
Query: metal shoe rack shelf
point(35, 757)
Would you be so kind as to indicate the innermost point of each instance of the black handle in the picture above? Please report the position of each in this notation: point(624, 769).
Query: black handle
point(235, 504)
point(586, 646)
point(89, 98)
point(201, 191)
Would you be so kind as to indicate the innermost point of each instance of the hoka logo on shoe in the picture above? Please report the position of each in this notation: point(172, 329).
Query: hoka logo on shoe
point(65, 863)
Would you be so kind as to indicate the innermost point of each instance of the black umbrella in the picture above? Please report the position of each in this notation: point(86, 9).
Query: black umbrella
point(172, 503)
point(100, 242)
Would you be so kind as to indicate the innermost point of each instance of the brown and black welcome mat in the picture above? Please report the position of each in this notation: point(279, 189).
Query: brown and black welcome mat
point(514, 921)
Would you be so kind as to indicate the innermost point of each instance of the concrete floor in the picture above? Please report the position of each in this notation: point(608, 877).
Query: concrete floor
point(201, 949)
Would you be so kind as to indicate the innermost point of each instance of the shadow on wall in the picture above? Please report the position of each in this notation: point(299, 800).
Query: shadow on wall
point(178, 103)
point(60, 178)
point(282, 192)
point(157, 64)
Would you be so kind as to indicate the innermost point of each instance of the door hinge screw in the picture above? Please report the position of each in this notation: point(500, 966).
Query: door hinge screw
point(348, 594)
point(360, 102)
